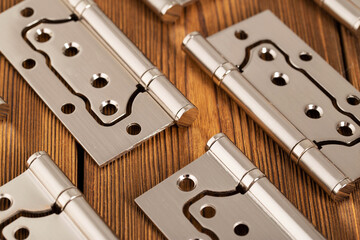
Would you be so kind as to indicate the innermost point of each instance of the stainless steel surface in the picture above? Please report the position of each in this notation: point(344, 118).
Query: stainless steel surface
point(37, 191)
point(168, 10)
point(345, 11)
point(4, 109)
point(291, 92)
point(103, 89)
point(230, 197)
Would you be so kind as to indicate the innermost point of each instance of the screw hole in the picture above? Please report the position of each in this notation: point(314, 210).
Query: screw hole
point(241, 229)
point(280, 79)
point(27, 12)
point(242, 35)
point(22, 233)
point(71, 49)
point(5, 203)
point(313, 111)
point(29, 63)
point(208, 211)
point(133, 129)
point(43, 35)
point(109, 107)
point(346, 129)
point(99, 80)
point(353, 100)
point(187, 183)
point(267, 54)
point(305, 56)
point(68, 108)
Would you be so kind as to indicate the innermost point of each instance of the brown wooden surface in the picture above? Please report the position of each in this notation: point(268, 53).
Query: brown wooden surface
point(111, 190)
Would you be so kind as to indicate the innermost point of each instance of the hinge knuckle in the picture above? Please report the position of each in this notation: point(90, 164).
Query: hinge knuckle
point(208, 58)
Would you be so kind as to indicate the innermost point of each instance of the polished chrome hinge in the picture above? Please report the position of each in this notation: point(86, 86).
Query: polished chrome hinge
point(168, 10)
point(58, 209)
point(222, 195)
point(346, 11)
point(102, 88)
point(4, 109)
point(303, 103)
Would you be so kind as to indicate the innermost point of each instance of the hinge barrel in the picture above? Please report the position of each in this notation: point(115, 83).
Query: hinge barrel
point(345, 11)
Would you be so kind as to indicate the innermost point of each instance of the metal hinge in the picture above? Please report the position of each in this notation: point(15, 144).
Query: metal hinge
point(345, 11)
point(291, 92)
point(102, 88)
point(222, 195)
point(61, 209)
point(4, 109)
point(168, 10)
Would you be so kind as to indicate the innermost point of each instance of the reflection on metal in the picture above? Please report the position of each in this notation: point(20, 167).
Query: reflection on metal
point(303, 103)
point(345, 11)
point(168, 10)
point(4, 109)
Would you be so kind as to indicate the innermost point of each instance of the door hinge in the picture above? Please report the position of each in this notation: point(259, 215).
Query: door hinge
point(222, 195)
point(345, 11)
point(102, 88)
point(168, 10)
point(59, 210)
point(291, 92)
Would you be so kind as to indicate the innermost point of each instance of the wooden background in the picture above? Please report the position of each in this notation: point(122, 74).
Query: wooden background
point(111, 190)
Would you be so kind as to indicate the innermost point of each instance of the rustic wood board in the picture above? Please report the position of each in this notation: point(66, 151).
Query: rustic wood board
point(111, 190)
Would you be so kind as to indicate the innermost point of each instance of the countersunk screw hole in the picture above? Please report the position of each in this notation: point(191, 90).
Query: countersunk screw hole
point(353, 100)
point(305, 56)
point(5, 203)
point(22, 233)
point(267, 54)
point(99, 80)
point(346, 129)
point(242, 35)
point(29, 63)
point(241, 229)
point(187, 183)
point(133, 129)
point(27, 12)
point(68, 108)
point(280, 79)
point(313, 111)
point(208, 211)
point(43, 35)
point(109, 107)
point(71, 49)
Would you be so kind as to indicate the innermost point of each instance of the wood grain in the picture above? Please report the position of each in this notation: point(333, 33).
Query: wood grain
point(111, 190)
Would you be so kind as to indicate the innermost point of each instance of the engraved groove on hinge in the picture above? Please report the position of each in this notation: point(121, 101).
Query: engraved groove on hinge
point(303, 71)
point(130, 102)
